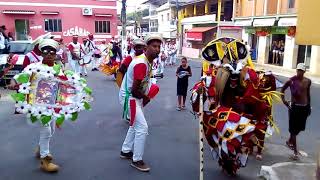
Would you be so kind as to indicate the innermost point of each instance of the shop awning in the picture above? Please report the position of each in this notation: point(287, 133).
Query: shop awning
point(264, 22)
point(195, 34)
point(243, 23)
point(18, 12)
point(49, 12)
point(102, 15)
point(287, 22)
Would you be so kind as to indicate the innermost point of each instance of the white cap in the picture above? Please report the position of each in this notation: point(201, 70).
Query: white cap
point(48, 42)
point(151, 37)
point(138, 41)
point(301, 66)
point(40, 38)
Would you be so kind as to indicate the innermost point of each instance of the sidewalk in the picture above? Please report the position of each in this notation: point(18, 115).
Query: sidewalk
point(303, 169)
point(277, 70)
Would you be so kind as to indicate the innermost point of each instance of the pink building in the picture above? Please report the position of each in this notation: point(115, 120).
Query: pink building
point(63, 18)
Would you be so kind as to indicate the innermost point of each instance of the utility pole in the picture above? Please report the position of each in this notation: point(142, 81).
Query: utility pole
point(179, 37)
point(124, 29)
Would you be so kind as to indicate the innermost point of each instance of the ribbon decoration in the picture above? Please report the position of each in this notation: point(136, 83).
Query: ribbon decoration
point(272, 97)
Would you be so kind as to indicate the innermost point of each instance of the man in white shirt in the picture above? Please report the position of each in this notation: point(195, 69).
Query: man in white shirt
point(135, 94)
point(76, 52)
point(2, 39)
point(90, 49)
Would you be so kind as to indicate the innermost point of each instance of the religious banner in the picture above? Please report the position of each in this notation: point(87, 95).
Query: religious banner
point(47, 94)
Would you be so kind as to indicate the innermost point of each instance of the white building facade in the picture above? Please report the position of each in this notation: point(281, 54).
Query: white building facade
point(167, 21)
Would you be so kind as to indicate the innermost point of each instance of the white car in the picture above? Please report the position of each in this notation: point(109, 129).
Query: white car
point(19, 48)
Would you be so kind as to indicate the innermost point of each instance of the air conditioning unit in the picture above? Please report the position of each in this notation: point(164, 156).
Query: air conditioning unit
point(87, 11)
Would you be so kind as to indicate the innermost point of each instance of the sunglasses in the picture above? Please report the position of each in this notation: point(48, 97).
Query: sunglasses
point(46, 52)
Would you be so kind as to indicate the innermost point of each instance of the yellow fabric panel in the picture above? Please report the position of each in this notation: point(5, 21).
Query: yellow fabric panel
point(307, 25)
point(221, 50)
point(205, 66)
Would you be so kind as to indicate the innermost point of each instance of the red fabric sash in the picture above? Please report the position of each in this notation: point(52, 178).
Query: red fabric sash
point(35, 56)
point(132, 111)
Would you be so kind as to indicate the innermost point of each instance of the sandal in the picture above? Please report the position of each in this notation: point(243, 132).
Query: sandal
point(289, 145)
point(259, 157)
point(178, 109)
point(294, 157)
point(183, 107)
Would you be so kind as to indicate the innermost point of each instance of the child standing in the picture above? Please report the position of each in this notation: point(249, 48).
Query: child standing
point(183, 73)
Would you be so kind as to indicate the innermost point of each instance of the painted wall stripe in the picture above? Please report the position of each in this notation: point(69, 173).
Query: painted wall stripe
point(56, 5)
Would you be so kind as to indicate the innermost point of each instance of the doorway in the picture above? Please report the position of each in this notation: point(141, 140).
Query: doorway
point(22, 29)
point(304, 55)
point(253, 43)
point(276, 49)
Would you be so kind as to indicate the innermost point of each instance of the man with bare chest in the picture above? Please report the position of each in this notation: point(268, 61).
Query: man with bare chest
point(299, 107)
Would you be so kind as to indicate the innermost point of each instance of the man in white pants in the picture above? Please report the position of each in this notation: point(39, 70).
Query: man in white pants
point(134, 95)
point(76, 50)
point(90, 48)
point(173, 53)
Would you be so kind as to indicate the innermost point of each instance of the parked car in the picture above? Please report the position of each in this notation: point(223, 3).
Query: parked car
point(19, 48)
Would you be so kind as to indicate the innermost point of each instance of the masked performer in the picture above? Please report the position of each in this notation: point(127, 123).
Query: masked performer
point(50, 96)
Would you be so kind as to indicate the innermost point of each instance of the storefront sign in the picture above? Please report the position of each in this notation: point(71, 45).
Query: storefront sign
point(264, 22)
point(243, 23)
point(76, 31)
point(287, 22)
point(279, 30)
point(250, 30)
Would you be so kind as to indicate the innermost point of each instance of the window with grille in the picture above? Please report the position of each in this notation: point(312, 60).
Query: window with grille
point(52, 25)
point(102, 26)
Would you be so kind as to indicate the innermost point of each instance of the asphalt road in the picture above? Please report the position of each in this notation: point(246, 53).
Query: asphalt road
point(89, 148)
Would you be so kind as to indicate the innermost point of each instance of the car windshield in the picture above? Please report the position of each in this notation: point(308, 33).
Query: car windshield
point(20, 48)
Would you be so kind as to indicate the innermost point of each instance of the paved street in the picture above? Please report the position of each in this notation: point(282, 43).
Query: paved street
point(89, 149)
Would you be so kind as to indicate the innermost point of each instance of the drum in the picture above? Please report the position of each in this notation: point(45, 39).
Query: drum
point(85, 60)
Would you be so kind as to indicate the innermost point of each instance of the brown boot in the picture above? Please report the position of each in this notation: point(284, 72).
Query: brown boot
point(38, 156)
point(141, 166)
point(47, 165)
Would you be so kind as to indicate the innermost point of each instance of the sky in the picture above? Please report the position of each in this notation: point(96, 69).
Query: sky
point(131, 5)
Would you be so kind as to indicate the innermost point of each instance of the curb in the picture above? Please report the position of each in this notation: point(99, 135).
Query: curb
point(276, 171)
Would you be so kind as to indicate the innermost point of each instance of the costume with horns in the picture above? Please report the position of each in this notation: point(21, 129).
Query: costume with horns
point(240, 102)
